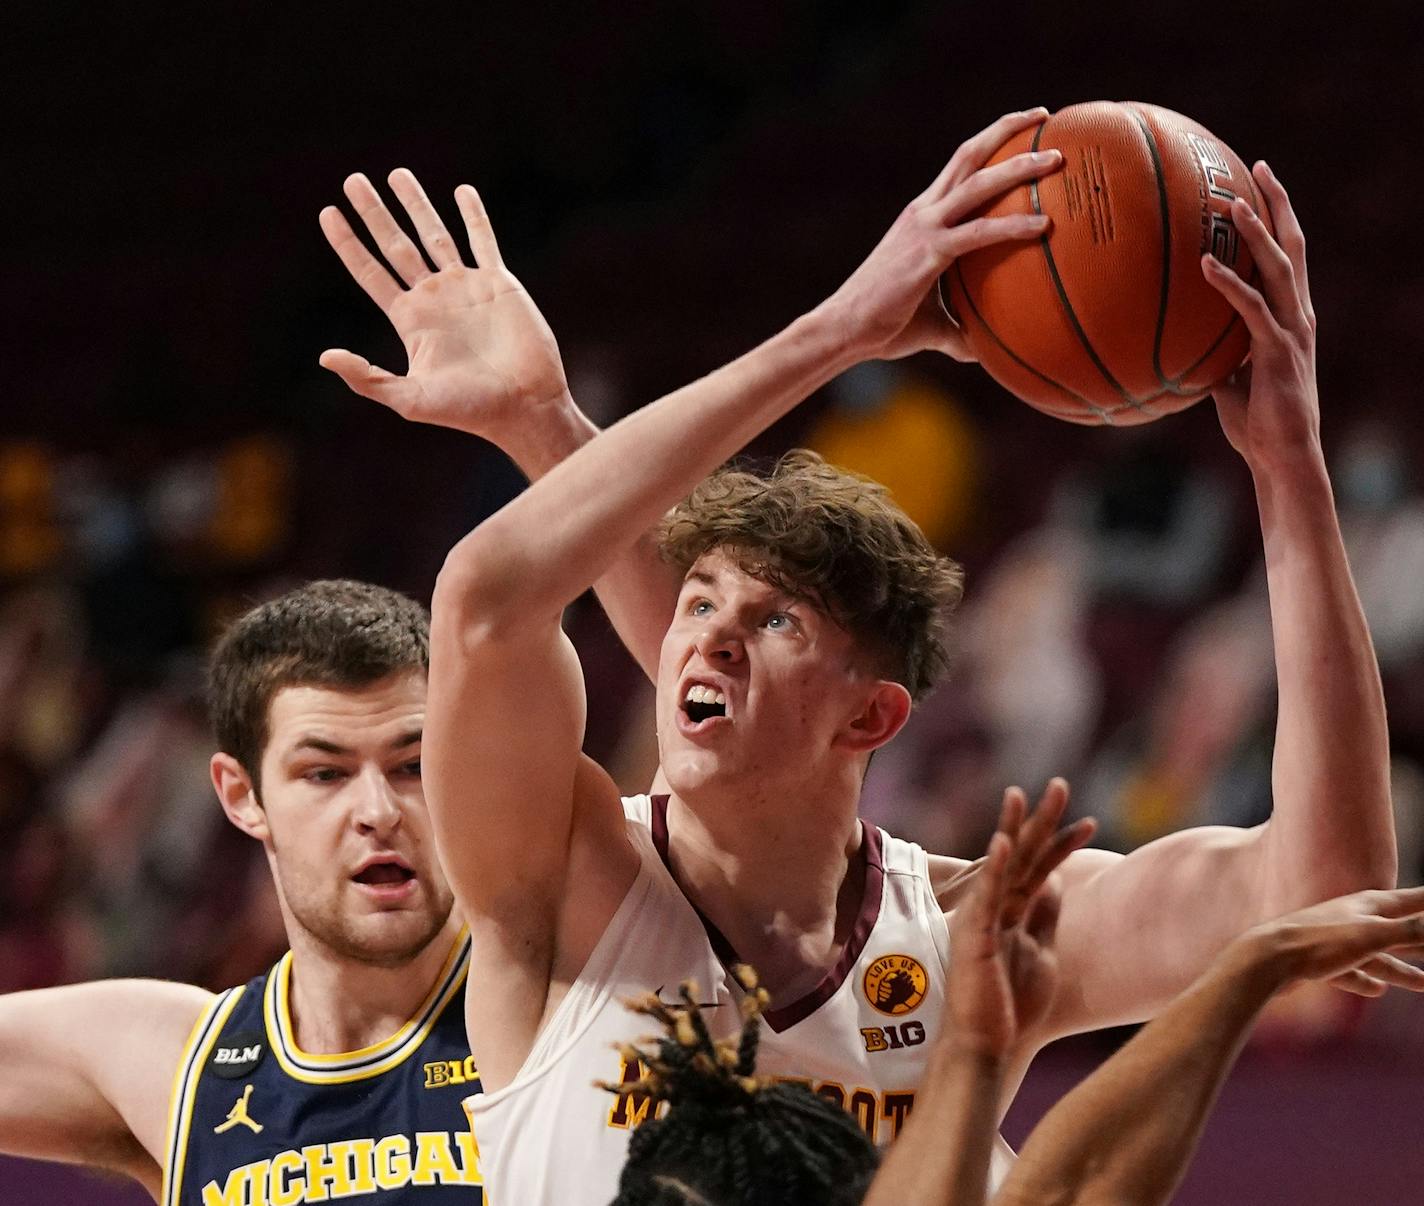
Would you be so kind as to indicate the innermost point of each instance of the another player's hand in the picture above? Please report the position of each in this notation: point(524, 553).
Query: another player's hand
point(1270, 410)
point(479, 353)
point(890, 307)
point(1003, 966)
point(1352, 941)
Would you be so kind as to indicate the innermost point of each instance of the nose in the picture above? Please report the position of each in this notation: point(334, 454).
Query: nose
point(721, 639)
point(377, 810)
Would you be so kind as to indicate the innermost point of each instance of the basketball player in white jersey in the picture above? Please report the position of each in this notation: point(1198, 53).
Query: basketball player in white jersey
point(807, 619)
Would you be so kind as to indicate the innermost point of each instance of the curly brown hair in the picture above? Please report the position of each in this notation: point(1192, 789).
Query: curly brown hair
point(838, 540)
point(329, 633)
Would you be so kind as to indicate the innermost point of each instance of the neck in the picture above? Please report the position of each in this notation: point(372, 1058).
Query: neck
point(338, 1004)
point(777, 877)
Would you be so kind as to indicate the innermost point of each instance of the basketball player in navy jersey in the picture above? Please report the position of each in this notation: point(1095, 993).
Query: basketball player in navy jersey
point(780, 673)
point(340, 1072)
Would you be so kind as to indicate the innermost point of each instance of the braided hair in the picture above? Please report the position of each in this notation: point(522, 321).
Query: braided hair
point(729, 1137)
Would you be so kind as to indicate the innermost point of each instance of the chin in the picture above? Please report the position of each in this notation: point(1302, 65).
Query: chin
point(387, 938)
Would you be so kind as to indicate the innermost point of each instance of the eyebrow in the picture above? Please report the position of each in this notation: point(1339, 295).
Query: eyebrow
point(309, 742)
point(703, 578)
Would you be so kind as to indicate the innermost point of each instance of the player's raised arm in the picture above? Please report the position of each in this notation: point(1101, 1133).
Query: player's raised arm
point(1332, 828)
point(1120, 1137)
point(86, 1072)
point(482, 360)
point(533, 839)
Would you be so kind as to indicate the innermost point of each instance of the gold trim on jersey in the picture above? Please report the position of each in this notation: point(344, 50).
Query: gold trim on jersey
point(348, 1066)
point(200, 1043)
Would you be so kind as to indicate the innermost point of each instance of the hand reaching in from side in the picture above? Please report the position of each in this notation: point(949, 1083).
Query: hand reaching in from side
point(1353, 941)
point(1003, 966)
point(479, 353)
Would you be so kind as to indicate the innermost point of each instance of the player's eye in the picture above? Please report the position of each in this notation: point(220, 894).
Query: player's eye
point(700, 607)
point(411, 768)
point(779, 621)
point(323, 774)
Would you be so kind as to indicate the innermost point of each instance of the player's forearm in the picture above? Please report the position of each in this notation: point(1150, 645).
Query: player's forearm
point(1127, 1132)
point(567, 531)
point(1332, 830)
point(942, 1156)
point(639, 590)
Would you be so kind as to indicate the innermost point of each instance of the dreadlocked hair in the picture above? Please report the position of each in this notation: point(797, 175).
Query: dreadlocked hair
point(729, 1137)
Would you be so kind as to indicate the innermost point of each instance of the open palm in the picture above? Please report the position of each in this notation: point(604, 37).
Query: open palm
point(478, 351)
point(1004, 967)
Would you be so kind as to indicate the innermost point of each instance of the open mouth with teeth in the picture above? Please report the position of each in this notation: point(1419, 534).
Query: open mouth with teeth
point(703, 703)
point(381, 874)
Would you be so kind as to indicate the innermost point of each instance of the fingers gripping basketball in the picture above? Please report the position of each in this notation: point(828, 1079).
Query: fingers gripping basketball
point(1108, 318)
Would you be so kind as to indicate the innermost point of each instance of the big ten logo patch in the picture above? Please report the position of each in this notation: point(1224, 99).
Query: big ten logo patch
point(895, 984)
point(892, 1038)
point(1219, 235)
point(451, 1072)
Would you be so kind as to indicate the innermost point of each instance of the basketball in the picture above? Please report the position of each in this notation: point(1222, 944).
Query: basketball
point(1108, 319)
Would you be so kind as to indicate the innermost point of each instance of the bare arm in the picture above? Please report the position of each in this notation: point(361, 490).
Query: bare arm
point(482, 360)
point(1332, 828)
point(86, 1072)
point(1332, 831)
point(1127, 1133)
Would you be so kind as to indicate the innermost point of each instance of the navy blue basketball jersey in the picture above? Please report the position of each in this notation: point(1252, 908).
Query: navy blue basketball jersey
point(256, 1121)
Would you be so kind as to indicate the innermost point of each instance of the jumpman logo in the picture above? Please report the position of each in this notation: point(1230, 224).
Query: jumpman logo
point(238, 1114)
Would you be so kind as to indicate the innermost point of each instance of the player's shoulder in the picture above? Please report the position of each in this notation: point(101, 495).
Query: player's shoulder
point(950, 878)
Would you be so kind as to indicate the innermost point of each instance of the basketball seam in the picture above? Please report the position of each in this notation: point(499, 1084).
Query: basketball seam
point(1063, 293)
point(1093, 407)
point(1166, 237)
point(1173, 385)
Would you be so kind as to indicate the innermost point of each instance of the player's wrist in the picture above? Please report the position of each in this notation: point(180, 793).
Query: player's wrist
point(837, 330)
point(1262, 960)
point(546, 432)
point(1298, 462)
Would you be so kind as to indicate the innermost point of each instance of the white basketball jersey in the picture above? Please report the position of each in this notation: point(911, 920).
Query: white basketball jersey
point(861, 1038)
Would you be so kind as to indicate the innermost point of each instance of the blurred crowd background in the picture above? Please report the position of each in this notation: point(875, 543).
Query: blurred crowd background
point(672, 183)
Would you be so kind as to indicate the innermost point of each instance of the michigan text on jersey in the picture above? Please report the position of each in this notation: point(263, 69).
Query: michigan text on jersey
point(350, 1168)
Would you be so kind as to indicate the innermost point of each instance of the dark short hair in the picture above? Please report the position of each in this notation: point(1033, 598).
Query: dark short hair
point(329, 633)
point(839, 540)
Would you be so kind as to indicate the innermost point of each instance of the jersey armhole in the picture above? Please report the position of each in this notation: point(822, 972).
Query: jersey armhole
point(936, 923)
point(200, 1042)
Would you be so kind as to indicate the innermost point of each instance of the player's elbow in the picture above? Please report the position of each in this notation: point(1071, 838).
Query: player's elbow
point(475, 599)
point(1301, 877)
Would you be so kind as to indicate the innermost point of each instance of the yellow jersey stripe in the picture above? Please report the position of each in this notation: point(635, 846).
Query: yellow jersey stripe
point(204, 1034)
point(369, 1061)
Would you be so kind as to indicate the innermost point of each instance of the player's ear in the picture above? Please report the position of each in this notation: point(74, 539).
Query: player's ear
point(238, 796)
point(885, 709)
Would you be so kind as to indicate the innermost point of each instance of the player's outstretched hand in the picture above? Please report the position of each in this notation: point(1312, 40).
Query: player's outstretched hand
point(890, 306)
point(1270, 410)
point(1354, 941)
point(1003, 966)
point(479, 353)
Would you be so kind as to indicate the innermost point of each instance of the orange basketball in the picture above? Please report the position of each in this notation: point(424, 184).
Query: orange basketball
point(1108, 318)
